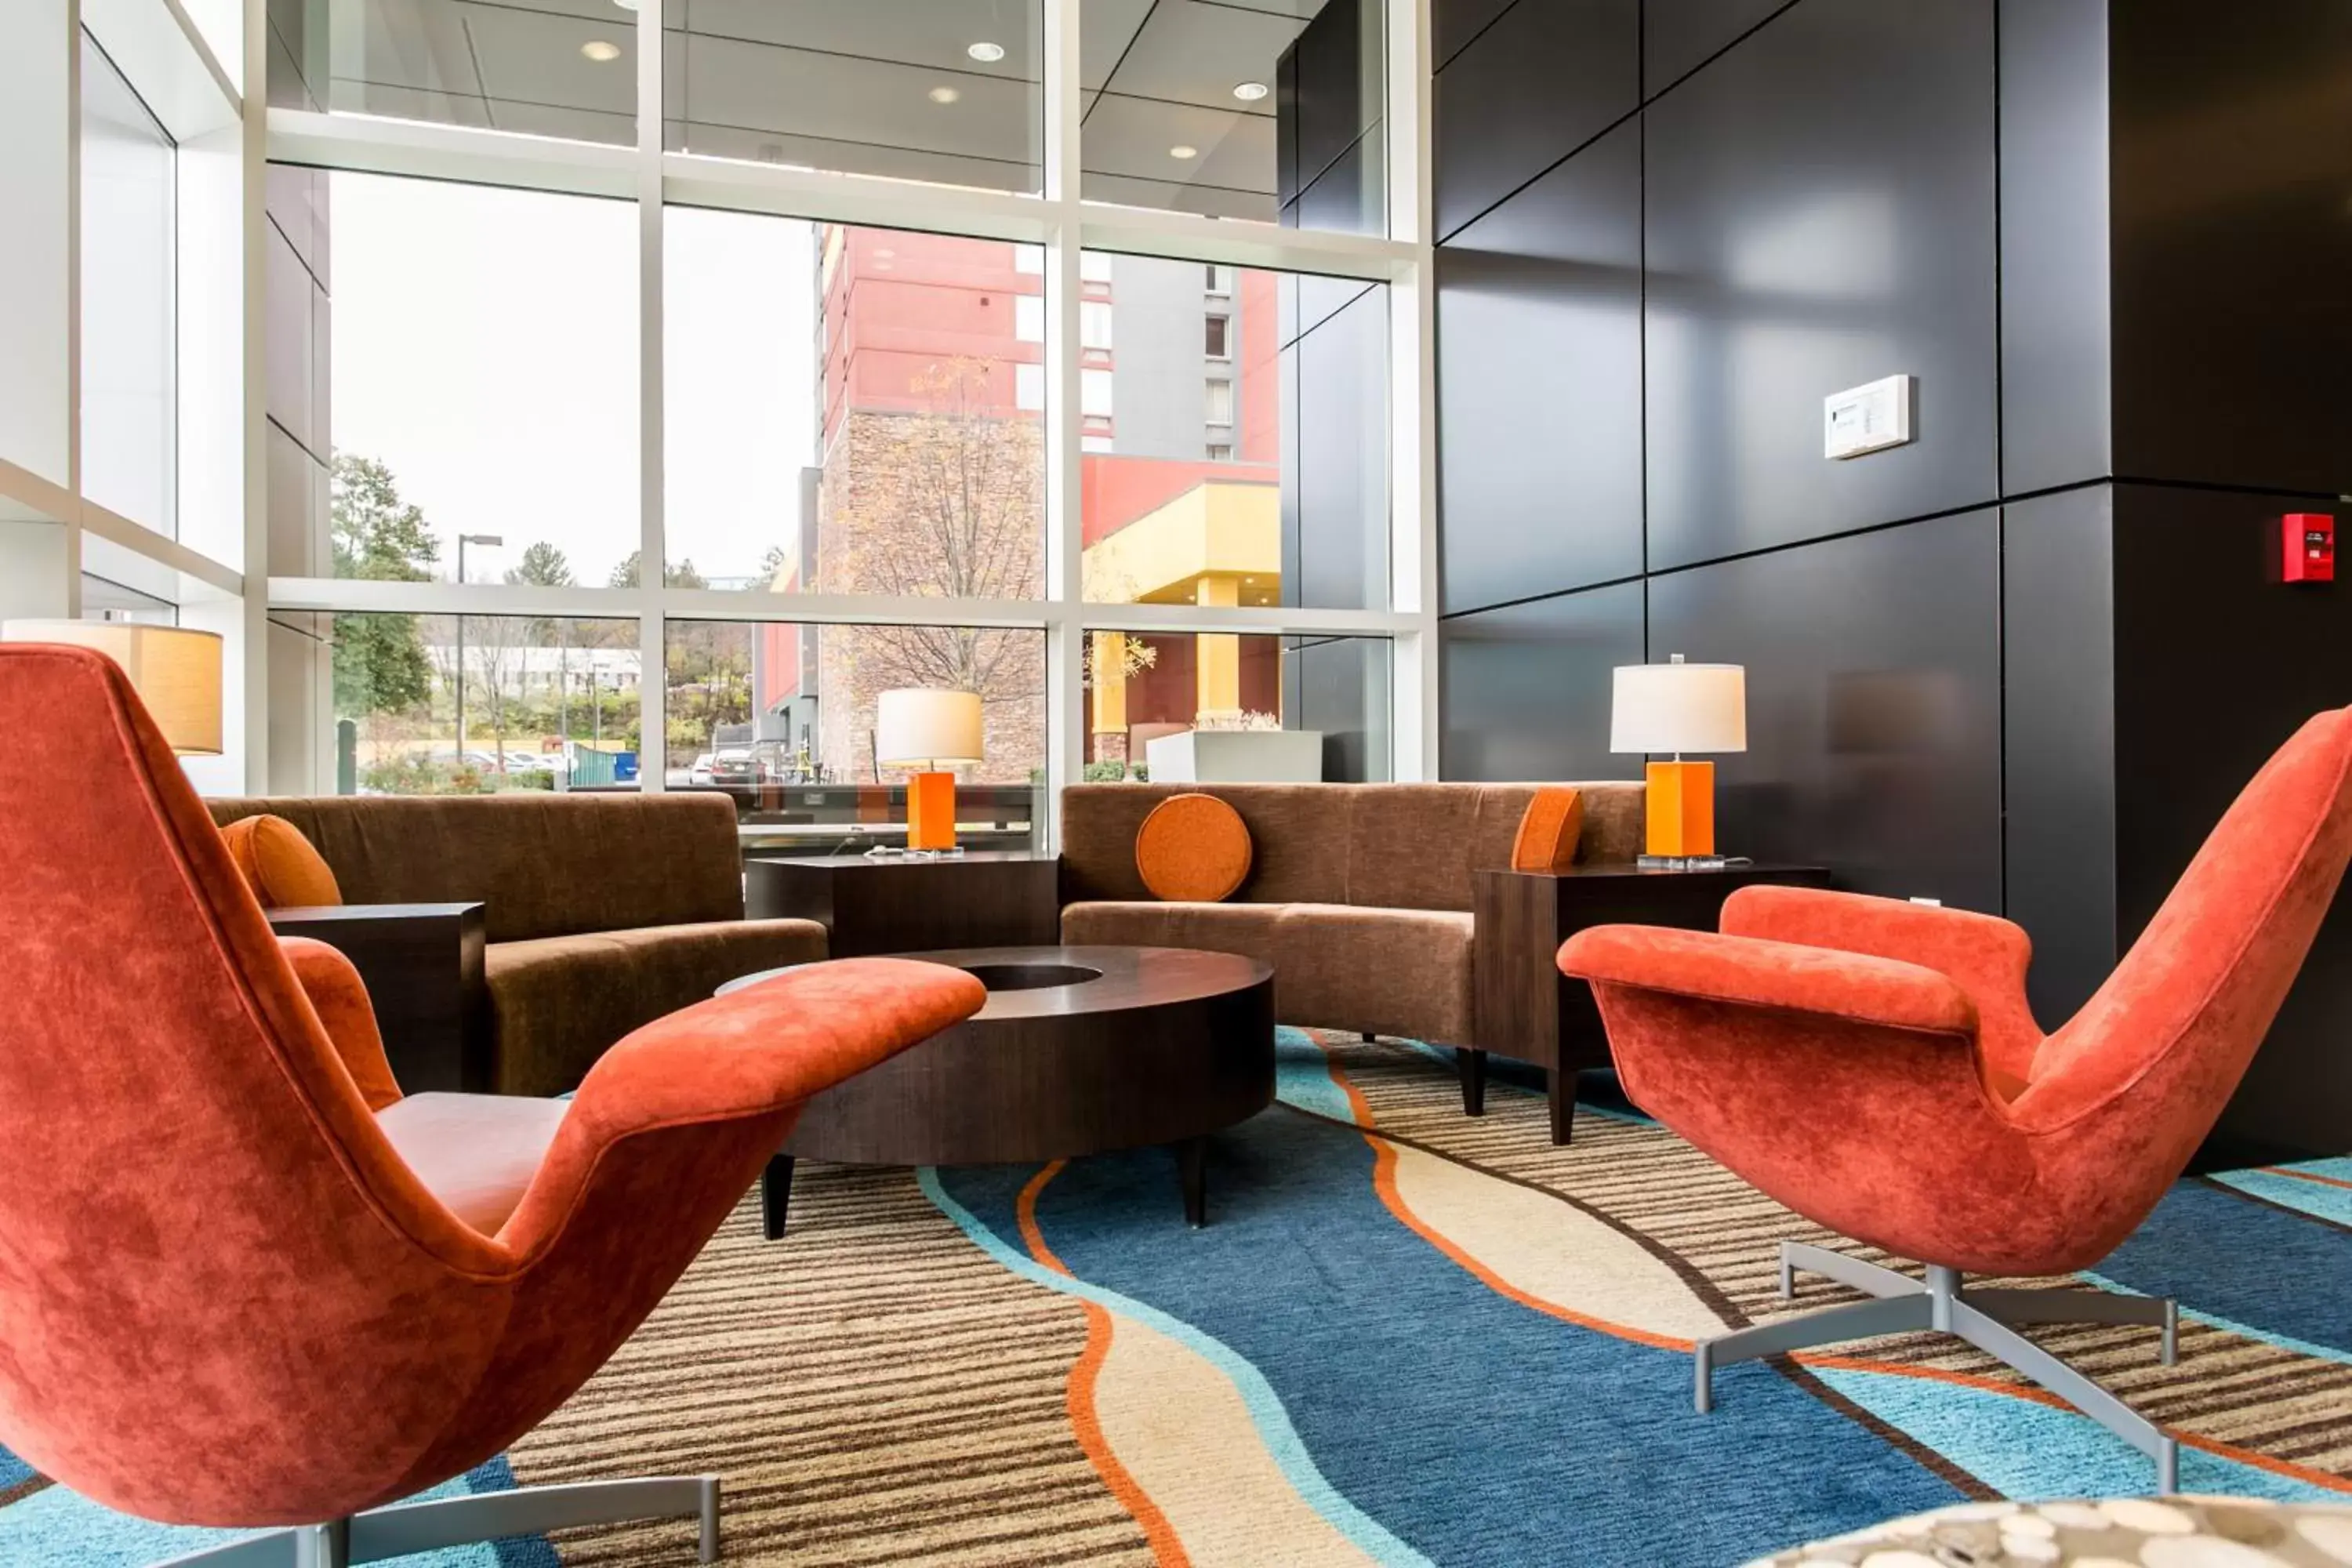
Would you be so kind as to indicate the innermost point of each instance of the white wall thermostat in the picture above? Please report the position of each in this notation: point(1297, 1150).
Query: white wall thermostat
point(1868, 418)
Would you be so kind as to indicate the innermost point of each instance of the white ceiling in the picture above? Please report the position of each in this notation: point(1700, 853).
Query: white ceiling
point(849, 84)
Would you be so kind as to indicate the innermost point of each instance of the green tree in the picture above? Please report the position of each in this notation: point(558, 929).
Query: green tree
point(381, 666)
point(682, 575)
point(544, 566)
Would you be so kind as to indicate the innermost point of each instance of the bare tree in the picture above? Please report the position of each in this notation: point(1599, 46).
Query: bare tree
point(970, 498)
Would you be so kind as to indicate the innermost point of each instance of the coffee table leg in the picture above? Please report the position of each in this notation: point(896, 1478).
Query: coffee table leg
point(1193, 1164)
point(775, 1195)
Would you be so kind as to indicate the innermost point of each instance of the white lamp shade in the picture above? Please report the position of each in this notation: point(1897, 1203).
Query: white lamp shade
point(1679, 708)
point(175, 671)
point(918, 726)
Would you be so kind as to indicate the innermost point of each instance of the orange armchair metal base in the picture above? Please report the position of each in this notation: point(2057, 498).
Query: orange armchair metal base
point(1988, 1319)
point(443, 1522)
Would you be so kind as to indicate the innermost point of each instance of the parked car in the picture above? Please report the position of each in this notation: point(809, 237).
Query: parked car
point(736, 768)
point(520, 761)
point(700, 772)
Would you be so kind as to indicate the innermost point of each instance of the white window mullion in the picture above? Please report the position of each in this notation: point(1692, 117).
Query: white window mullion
point(1412, 399)
point(652, 680)
point(1066, 711)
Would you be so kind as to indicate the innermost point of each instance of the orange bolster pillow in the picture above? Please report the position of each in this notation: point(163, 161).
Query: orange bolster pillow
point(1194, 848)
point(1550, 831)
point(278, 864)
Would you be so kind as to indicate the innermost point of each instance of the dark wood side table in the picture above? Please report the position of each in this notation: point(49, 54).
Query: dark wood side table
point(422, 965)
point(1523, 1007)
point(896, 903)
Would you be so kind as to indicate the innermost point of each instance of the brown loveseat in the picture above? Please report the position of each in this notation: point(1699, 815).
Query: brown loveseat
point(1359, 895)
point(603, 912)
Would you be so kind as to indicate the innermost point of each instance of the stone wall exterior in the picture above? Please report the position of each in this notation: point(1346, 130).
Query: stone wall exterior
point(951, 504)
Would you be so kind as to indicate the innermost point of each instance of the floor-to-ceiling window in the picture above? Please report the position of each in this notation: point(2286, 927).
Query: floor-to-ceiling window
point(644, 401)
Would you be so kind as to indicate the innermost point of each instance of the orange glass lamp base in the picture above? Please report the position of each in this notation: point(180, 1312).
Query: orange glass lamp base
point(930, 811)
point(1681, 808)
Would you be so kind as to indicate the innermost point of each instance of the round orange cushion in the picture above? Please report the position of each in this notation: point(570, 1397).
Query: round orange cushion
point(1193, 848)
point(278, 864)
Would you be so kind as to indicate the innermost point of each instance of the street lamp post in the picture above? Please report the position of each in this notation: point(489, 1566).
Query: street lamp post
point(490, 540)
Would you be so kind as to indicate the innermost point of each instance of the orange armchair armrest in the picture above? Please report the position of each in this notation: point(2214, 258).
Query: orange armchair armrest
point(1985, 956)
point(1749, 972)
point(339, 997)
point(750, 1058)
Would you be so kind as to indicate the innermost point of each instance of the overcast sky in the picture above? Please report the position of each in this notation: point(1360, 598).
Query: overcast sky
point(485, 348)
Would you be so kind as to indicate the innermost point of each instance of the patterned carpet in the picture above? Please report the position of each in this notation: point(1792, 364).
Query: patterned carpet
point(1406, 1337)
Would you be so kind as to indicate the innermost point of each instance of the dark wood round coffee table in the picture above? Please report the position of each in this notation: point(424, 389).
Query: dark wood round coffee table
point(1078, 1050)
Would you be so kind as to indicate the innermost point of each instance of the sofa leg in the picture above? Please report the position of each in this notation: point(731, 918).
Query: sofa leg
point(775, 1195)
point(1562, 1095)
point(1472, 1066)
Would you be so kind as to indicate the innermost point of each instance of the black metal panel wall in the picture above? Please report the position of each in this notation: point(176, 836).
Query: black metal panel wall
point(2217, 663)
point(1677, 36)
point(2024, 662)
point(1540, 359)
point(2058, 649)
point(1874, 703)
point(1523, 690)
point(2233, 242)
point(1821, 215)
point(1546, 77)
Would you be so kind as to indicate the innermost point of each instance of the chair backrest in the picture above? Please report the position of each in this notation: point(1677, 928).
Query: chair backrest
point(1380, 845)
point(2168, 1035)
point(542, 864)
point(197, 1213)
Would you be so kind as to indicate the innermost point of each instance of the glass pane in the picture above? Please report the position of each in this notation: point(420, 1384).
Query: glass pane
point(482, 346)
point(129, 283)
point(1269, 109)
point(851, 410)
point(1215, 706)
point(478, 704)
point(1236, 438)
point(904, 87)
point(781, 717)
point(543, 67)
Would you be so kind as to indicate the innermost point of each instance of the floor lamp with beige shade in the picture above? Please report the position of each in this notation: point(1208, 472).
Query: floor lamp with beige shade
point(175, 671)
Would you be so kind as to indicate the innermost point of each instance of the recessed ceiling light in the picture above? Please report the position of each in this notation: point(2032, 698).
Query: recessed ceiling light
point(626, 4)
point(986, 53)
point(1250, 92)
point(599, 51)
point(1180, 150)
point(944, 95)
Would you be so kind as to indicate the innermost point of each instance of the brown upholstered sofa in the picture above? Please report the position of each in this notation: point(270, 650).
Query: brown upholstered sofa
point(1359, 895)
point(603, 912)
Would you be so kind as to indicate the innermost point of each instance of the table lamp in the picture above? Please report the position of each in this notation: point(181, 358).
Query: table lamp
point(921, 728)
point(1679, 708)
point(175, 671)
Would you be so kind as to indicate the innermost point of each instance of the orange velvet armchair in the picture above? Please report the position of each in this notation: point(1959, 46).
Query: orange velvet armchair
point(244, 1282)
point(1873, 1065)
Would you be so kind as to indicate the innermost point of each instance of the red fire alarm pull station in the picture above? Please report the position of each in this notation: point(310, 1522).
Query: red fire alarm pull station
point(2307, 545)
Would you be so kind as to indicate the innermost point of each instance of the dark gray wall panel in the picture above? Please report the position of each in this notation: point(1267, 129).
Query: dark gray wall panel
point(1523, 690)
point(1343, 465)
point(1874, 703)
point(2058, 653)
point(2216, 665)
point(1339, 81)
point(1341, 686)
point(2056, 354)
point(1539, 385)
point(1677, 35)
point(1821, 215)
point(1533, 88)
point(1453, 23)
point(1348, 197)
point(2233, 242)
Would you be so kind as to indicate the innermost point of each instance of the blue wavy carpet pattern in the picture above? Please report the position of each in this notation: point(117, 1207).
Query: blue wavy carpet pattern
point(1406, 1337)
